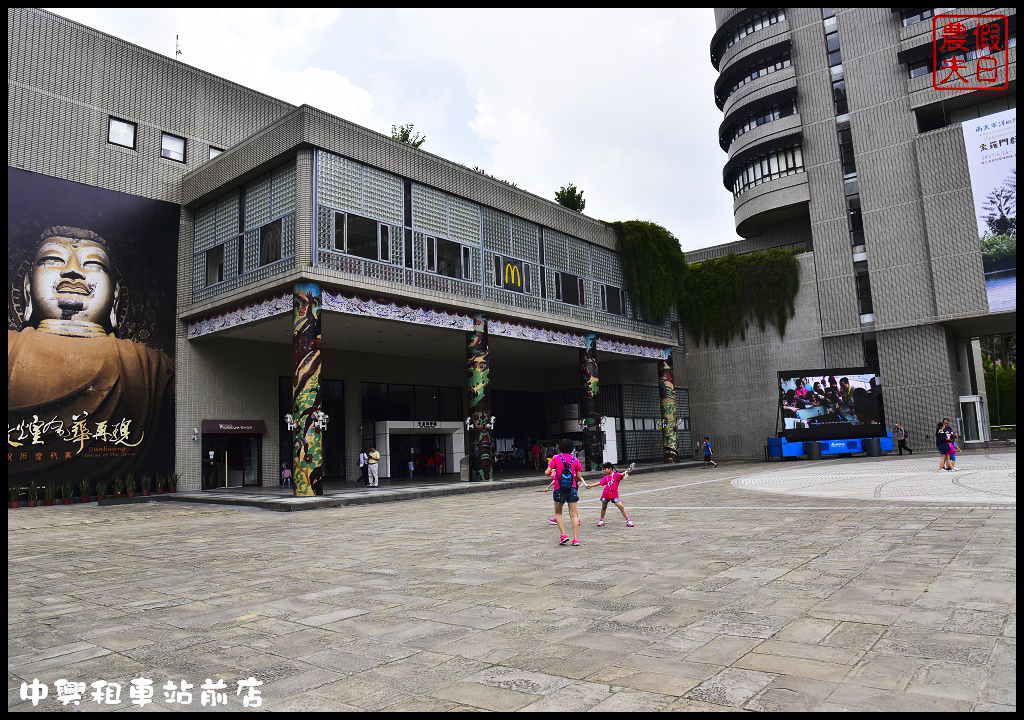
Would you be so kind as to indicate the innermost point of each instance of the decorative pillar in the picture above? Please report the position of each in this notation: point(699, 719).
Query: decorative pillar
point(307, 441)
point(590, 417)
point(667, 392)
point(479, 425)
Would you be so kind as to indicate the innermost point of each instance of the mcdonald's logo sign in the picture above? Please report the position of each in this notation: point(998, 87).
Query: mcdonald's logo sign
point(512, 272)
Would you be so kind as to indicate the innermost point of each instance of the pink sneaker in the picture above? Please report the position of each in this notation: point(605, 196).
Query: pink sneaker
point(563, 539)
point(600, 523)
point(576, 542)
point(552, 521)
point(629, 523)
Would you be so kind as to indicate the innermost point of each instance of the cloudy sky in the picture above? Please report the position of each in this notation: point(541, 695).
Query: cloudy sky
point(617, 102)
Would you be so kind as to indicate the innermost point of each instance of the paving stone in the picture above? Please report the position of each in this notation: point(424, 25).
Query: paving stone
point(575, 697)
point(792, 694)
point(885, 672)
point(798, 667)
point(948, 680)
point(806, 630)
point(485, 696)
point(633, 701)
point(732, 687)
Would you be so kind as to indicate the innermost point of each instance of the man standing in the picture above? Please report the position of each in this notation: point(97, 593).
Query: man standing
point(901, 435)
point(372, 465)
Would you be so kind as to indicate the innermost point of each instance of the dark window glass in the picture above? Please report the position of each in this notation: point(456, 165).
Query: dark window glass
point(449, 258)
point(361, 236)
point(270, 243)
point(835, 58)
point(832, 41)
point(451, 404)
point(567, 289)
point(512, 274)
point(375, 402)
point(614, 301)
point(400, 402)
point(215, 265)
point(385, 243)
point(428, 403)
point(241, 255)
point(339, 232)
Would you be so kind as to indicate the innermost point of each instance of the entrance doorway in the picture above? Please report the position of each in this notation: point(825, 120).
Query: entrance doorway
point(423, 450)
point(231, 461)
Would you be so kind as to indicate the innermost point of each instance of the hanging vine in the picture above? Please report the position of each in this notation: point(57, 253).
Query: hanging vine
point(721, 296)
point(716, 299)
point(653, 265)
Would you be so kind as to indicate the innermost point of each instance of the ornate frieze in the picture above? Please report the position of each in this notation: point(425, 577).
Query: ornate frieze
point(249, 313)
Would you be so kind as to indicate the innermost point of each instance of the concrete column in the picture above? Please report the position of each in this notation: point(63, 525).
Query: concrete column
point(307, 400)
point(667, 392)
point(593, 447)
point(478, 436)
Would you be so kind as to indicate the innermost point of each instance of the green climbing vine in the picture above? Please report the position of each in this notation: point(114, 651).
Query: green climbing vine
point(716, 299)
point(721, 296)
point(653, 265)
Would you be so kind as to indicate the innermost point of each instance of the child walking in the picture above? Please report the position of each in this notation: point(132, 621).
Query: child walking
point(611, 482)
point(708, 452)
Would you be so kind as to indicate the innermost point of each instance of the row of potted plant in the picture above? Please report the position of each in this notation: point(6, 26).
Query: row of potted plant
point(122, 486)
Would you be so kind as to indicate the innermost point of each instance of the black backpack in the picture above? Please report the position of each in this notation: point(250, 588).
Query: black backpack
point(565, 479)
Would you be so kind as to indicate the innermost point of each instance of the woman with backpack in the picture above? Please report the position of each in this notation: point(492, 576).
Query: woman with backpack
point(566, 476)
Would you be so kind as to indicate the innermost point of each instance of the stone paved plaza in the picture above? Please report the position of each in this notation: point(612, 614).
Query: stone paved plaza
point(753, 586)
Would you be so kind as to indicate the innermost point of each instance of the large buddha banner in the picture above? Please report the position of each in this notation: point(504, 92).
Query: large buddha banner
point(90, 332)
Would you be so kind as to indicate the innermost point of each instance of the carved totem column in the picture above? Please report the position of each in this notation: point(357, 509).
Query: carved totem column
point(667, 392)
point(307, 440)
point(590, 416)
point(479, 445)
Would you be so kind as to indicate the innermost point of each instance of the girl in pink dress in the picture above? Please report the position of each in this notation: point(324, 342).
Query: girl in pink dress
point(611, 482)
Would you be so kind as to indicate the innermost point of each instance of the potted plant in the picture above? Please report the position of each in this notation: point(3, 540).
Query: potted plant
point(33, 493)
point(83, 490)
point(161, 482)
point(145, 483)
point(67, 490)
point(129, 485)
point(118, 487)
point(101, 490)
point(172, 482)
point(50, 492)
point(14, 496)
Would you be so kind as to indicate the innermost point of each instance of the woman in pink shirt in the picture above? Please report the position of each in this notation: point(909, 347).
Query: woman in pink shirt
point(611, 481)
point(566, 461)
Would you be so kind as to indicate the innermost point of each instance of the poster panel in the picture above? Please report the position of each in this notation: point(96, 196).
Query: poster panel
point(91, 279)
point(991, 144)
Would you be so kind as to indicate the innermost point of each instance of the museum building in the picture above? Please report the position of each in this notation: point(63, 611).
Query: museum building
point(333, 289)
point(842, 142)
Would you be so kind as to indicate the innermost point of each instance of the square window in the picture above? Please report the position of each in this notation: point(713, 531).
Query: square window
point(172, 147)
point(121, 132)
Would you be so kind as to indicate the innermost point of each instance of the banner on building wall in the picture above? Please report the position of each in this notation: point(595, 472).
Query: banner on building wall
point(991, 144)
point(91, 279)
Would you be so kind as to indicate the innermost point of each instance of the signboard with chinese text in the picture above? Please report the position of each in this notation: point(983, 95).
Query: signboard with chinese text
point(991, 145)
point(90, 331)
point(970, 52)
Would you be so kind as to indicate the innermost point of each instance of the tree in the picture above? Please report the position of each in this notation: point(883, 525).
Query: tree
point(1001, 207)
point(404, 135)
point(571, 198)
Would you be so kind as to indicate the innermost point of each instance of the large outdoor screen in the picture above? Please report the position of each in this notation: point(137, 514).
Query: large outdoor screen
point(831, 404)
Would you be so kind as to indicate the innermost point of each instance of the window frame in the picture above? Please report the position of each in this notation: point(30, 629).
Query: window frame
point(135, 132)
point(219, 266)
point(164, 135)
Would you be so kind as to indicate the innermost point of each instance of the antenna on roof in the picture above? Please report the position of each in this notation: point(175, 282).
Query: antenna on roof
point(177, 50)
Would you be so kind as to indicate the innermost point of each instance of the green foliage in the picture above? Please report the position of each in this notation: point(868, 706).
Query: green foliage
point(172, 480)
point(129, 483)
point(404, 135)
point(33, 490)
point(119, 484)
point(51, 489)
point(723, 295)
point(653, 265)
point(14, 493)
point(83, 487)
point(999, 252)
point(571, 198)
point(1001, 389)
point(101, 487)
point(161, 481)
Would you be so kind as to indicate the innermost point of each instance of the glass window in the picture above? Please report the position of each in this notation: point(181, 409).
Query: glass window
point(427, 402)
point(270, 243)
point(214, 152)
point(451, 404)
point(400, 402)
point(172, 147)
point(613, 300)
point(121, 132)
point(385, 243)
point(512, 274)
point(214, 265)
point(375, 400)
point(449, 258)
point(241, 256)
point(361, 237)
point(569, 289)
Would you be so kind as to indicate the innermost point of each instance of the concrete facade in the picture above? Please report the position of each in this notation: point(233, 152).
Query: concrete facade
point(305, 168)
point(919, 241)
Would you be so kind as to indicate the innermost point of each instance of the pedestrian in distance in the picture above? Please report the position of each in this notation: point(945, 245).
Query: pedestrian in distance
point(286, 475)
point(412, 466)
point(566, 476)
point(372, 465)
point(363, 458)
point(611, 481)
point(708, 452)
point(901, 435)
point(942, 445)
